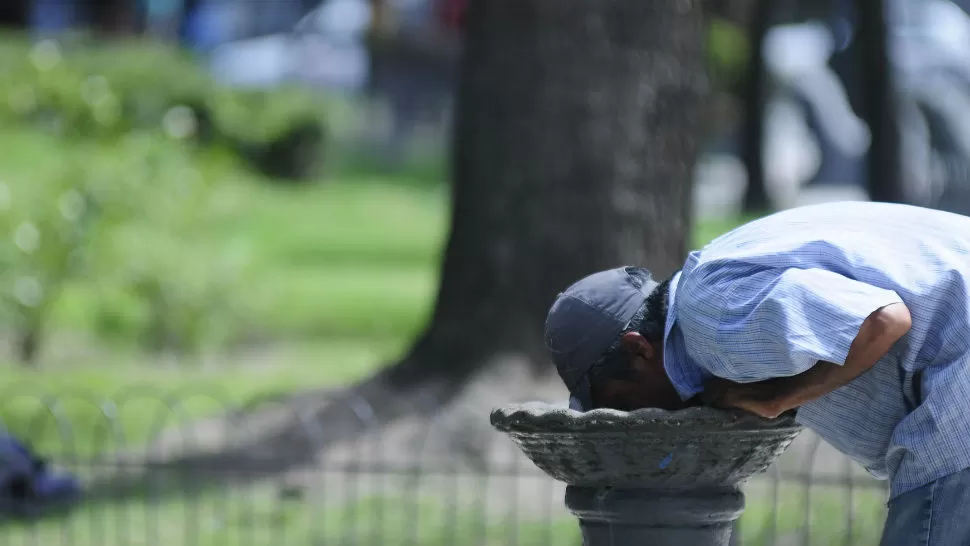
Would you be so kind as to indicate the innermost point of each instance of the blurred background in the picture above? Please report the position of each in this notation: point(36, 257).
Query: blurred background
point(266, 265)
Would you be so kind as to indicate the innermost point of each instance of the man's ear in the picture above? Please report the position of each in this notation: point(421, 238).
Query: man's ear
point(635, 343)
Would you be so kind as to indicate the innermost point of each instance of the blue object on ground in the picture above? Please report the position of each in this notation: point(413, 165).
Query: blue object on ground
point(29, 487)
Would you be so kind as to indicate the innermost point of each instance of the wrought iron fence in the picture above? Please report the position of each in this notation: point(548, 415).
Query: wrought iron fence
point(228, 480)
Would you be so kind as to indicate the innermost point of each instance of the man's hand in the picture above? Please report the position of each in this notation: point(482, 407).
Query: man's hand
point(751, 397)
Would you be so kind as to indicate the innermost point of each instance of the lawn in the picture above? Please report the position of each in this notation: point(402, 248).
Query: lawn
point(339, 277)
point(403, 516)
point(275, 288)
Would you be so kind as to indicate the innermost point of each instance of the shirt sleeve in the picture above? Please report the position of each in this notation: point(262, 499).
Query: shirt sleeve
point(781, 324)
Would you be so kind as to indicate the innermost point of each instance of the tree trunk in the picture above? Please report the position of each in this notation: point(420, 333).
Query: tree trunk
point(574, 144)
point(575, 138)
point(755, 96)
point(879, 104)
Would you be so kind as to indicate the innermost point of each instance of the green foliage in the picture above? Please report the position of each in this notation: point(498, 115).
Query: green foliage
point(107, 90)
point(51, 220)
point(151, 273)
point(121, 217)
point(727, 51)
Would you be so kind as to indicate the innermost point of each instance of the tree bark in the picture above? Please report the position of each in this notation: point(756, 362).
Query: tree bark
point(575, 138)
point(755, 96)
point(884, 178)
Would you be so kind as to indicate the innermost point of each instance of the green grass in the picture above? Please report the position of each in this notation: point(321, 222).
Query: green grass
point(261, 518)
point(355, 257)
point(346, 258)
point(336, 514)
point(79, 406)
point(340, 275)
point(826, 516)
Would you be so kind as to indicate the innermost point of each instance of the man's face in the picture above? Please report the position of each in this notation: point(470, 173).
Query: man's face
point(647, 384)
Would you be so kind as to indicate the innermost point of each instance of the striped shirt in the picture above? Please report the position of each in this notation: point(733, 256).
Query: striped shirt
point(775, 296)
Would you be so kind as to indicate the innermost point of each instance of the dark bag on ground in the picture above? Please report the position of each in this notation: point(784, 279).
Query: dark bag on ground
point(28, 486)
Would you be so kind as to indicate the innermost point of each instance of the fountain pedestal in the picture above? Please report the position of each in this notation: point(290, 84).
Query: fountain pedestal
point(650, 476)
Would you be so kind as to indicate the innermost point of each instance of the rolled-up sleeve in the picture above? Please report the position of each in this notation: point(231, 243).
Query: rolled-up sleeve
point(781, 323)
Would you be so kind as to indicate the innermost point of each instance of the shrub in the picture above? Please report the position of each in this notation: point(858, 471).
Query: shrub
point(125, 219)
point(180, 289)
point(106, 90)
point(50, 222)
point(280, 133)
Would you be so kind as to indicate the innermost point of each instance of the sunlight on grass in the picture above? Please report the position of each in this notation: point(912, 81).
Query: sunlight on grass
point(365, 222)
point(824, 515)
point(457, 515)
point(347, 300)
point(84, 406)
point(341, 275)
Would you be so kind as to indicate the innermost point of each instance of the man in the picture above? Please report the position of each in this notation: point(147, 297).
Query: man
point(857, 315)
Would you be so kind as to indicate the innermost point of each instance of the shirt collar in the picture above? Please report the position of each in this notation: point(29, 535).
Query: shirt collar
point(685, 376)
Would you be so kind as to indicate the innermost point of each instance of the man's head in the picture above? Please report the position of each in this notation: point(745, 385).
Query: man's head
point(605, 334)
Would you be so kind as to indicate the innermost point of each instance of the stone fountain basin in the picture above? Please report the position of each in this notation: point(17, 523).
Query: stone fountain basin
point(649, 448)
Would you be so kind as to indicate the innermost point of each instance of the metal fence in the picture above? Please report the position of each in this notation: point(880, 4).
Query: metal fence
point(156, 475)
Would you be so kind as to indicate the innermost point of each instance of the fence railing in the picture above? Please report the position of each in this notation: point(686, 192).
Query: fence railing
point(426, 481)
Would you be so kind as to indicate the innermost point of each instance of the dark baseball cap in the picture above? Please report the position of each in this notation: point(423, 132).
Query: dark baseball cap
point(586, 319)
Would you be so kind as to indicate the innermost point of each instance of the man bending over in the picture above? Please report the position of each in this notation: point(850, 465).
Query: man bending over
point(857, 315)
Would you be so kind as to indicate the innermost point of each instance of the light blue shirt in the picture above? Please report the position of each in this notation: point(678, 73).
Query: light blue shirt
point(775, 296)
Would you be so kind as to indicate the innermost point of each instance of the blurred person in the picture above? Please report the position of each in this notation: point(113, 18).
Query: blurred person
point(57, 16)
point(210, 23)
point(929, 46)
point(277, 16)
point(797, 57)
point(855, 316)
point(451, 14)
point(162, 17)
point(107, 17)
point(930, 42)
point(814, 68)
point(415, 68)
point(334, 44)
point(54, 16)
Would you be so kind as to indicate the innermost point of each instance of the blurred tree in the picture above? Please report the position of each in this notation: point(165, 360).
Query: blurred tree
point(755, 97)
point(879, 103)
point(574, 143)
point(576, 133)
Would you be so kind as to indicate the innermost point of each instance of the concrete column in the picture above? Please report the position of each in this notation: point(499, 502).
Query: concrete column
point(620, 517)
point(649, 476)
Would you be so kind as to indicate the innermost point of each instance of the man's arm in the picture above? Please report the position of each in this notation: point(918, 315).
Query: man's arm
point(787, 337)
point(772, 397)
